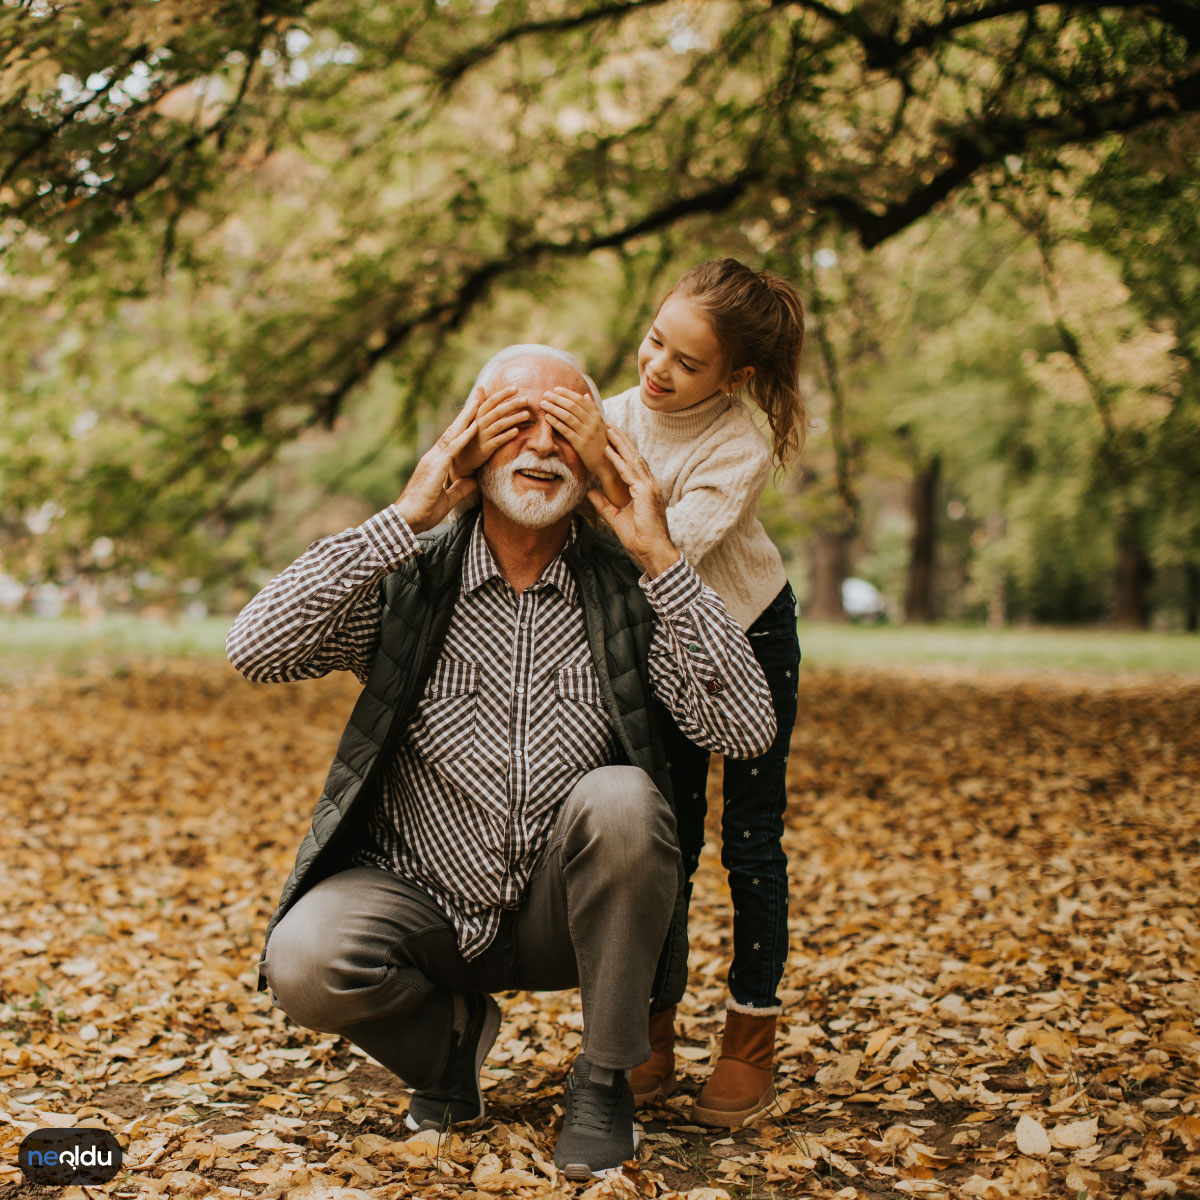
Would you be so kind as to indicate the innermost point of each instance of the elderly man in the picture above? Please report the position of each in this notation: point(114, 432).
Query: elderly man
point(496, 816)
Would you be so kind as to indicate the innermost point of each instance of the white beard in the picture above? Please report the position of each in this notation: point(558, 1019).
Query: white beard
point(531, 509)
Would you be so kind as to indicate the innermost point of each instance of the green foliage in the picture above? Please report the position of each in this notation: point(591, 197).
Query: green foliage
point(255, 254)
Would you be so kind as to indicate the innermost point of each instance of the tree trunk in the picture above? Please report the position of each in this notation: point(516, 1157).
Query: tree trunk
point(1131, 606)
point(1191, 603)
point(829, 558)
point(997, 616)
point(918, 592)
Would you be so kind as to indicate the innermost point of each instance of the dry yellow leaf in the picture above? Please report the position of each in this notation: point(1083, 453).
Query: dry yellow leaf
point(1032, 1138)
point(1078, 1135)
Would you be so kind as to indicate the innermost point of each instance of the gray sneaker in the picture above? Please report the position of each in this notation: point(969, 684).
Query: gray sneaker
point(598, 1132)
point(457, 1097)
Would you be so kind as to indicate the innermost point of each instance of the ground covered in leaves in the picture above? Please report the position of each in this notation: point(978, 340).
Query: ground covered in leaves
point(993, 988)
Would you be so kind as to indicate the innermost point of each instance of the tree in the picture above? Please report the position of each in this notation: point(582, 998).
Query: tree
point(298, 205)
point(1119, 280)
point(1141, 212)
point(833, 486)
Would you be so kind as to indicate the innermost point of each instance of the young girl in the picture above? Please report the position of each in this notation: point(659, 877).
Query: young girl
point(723, 331)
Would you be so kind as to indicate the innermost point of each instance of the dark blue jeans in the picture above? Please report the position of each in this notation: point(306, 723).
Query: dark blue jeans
point(752, 819)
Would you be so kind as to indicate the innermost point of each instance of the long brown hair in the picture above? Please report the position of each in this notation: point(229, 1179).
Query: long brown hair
point(759, 320)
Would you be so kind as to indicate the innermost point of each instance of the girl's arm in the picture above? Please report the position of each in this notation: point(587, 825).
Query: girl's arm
point(579, 420)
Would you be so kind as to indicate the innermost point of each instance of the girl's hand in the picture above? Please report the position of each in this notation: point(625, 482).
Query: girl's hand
point(496, 419)
point(641, 523)
point(578, 419)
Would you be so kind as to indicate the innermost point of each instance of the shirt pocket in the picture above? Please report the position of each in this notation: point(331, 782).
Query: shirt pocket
point(445, 720)
point(584, 735)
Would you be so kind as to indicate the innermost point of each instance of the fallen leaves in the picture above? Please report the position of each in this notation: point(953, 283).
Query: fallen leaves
point(1032, 1139)
point(992, 991)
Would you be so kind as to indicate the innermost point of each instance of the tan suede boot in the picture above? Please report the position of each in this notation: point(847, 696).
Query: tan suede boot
point(743, 1081)
point(655, 1078)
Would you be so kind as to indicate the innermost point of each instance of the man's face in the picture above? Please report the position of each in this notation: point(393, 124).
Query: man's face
point(535, 479)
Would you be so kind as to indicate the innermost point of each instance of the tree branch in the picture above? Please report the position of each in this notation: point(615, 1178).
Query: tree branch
point(998, 137)
point(970, 152)
point(52, 130)
point(884, 51)
point(451, 72)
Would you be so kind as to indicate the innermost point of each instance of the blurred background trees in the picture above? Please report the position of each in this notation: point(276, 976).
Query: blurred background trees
point(254, 254)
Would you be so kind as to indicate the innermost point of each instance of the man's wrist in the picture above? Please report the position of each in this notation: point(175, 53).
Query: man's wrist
point(390, 536)
point(674, 590)
point(412, 514)
point(660, 559)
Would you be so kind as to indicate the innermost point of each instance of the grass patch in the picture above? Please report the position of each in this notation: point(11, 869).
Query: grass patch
point(1092, 650)
point(69, 646)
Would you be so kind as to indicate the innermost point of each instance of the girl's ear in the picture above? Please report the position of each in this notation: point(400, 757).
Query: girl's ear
point(738, 378)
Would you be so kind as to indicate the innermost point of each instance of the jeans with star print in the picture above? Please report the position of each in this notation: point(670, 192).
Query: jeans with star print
point(752, 819)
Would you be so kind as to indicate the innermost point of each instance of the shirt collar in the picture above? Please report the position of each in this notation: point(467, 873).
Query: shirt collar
point(479, 566)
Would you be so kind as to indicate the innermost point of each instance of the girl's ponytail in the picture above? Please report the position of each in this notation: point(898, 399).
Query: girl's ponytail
point(759, 320)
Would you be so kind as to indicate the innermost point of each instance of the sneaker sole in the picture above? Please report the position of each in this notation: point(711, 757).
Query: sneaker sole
point(487, 1039)
point(580, 1172)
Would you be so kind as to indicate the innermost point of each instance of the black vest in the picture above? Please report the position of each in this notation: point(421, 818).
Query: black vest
point(418, 602)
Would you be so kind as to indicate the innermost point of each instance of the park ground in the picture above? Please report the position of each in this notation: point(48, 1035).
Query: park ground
point(993, 987)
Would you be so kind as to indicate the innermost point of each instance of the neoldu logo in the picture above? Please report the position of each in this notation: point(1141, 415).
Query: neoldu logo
point(69, 1157)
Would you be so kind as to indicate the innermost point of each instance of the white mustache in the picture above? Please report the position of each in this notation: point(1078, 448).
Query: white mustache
point(528, 461)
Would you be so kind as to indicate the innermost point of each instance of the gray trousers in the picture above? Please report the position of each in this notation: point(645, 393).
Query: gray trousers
point(369, 956)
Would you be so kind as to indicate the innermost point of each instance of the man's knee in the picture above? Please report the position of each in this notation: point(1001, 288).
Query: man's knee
point(620, 807)
point(304, 976)
point(324, 981)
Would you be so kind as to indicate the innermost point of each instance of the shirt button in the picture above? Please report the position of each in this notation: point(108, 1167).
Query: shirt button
point(519, 689)
point(712, 687)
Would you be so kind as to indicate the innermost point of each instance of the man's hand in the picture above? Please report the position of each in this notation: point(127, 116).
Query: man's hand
point(432, 491)
point(578, 419)
point(641, 525)
point(496, 419)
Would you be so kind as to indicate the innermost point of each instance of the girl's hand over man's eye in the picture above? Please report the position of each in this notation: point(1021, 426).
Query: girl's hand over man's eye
point(576, 417)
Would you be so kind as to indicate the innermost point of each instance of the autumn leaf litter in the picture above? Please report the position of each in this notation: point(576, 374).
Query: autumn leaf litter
point(992, 989)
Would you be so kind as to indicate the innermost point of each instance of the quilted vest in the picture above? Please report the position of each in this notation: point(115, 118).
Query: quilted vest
point(418, 602)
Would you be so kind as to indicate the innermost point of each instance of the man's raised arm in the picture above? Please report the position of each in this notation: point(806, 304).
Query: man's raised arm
point(322, 614)
point(701, 664)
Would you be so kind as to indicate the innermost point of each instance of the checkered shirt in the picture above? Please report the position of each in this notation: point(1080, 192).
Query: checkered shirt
point(512, 716)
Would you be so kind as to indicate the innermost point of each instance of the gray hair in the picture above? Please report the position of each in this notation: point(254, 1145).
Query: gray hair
point(533, 350)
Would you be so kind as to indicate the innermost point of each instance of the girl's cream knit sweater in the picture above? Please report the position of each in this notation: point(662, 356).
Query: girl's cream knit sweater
point(712, 464)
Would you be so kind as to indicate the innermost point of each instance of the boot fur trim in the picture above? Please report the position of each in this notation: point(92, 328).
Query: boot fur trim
point(748, 1010)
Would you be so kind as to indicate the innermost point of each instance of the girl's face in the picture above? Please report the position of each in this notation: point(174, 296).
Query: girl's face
point(680, 361)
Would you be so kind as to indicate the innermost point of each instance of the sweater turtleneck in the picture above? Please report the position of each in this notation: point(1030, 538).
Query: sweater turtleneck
point(686, 424)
